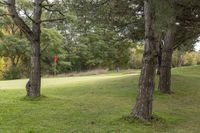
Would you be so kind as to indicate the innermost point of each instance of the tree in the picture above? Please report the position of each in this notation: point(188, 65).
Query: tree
point(166, 59)
point(93, 39)
point(33, 35)
point(177, 36)
point(143, 107)
point(14, 48)
point(166, 45)
point(51, 45)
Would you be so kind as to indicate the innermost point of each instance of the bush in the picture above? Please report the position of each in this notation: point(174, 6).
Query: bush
point(135, 61)
point(2, 67)
point(177, 58)
point(190, 58)
point(181, 58)
point(12, 73)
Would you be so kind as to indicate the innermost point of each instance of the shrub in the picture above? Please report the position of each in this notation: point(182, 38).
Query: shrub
point(12, 73)
point(190, 58)
point(2, 67)
point(136, 57)
point(177, 58)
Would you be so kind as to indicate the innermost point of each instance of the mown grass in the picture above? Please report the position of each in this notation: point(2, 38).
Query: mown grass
point(99, 104)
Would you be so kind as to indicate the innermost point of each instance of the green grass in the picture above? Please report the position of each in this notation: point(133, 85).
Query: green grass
point(99, 104)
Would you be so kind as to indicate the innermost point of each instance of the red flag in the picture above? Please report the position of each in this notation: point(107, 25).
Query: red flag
point(55, 58)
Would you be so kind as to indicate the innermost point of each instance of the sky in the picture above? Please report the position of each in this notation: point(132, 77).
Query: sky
point(197, 46)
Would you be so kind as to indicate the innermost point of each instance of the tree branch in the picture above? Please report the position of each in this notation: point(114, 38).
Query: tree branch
point(29, 17)
point(53, 10)
point(4, 3)
point(2, 15)
point(52, 20)
point(19, 21)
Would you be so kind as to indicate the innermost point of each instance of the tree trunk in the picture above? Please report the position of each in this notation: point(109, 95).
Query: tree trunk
point(166, 61)
point(165, 72)
point(35, 74)
point(143, 107)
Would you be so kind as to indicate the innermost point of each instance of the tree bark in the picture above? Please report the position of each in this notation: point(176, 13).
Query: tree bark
point(143, 107)
point(33, 85)
point(165, 72)
point(166, 61)
point(35, 74)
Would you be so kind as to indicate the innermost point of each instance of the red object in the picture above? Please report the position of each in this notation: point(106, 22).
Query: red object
point(55, 58)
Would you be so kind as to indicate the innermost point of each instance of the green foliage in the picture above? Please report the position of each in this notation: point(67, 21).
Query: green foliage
point(95, 39)
point(12, 73)
point(136, 57)
point(12, 46)
point(3, 66)
point(181, 58)
point(104, 51)
point(51, 40)
point(191, 58)
point(16, 50)
point(25, 4)
point(177, 58)
point(164, 14)
point(51, 45)
point(1, 34)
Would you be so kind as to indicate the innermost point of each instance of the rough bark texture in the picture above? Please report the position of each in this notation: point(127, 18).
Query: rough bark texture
point(33, 86)
point(143, 107)
point(35, 75)
point(166, 61)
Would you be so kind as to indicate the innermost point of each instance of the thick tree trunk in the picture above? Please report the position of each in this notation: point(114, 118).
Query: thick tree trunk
point(166, 62)
point(143, 107)
point(35, 74)
point(165, 72)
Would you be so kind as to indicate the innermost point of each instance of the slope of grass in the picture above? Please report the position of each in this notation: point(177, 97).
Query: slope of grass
point(98, 104)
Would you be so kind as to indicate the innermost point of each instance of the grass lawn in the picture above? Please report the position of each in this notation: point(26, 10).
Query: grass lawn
point(98, 104)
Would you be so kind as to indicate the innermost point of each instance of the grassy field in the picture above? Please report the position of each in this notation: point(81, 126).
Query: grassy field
point(98, 104)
